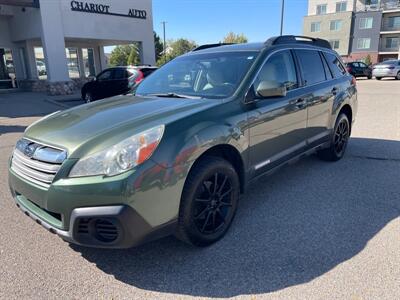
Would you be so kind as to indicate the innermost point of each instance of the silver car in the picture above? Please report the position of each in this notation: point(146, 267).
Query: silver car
point(389, 68)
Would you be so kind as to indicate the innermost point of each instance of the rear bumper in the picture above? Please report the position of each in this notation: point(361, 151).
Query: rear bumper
point(117, 226)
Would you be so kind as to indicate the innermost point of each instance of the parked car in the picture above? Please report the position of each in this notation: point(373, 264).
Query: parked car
point(115, 81)
point(359, 69)
point(174, 157)
point(389, 68)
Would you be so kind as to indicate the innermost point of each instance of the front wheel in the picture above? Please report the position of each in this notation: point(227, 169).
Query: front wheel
point(88, 97)
point(209, 202)
point(378, 78)
point(398, 76)
point(340, 139)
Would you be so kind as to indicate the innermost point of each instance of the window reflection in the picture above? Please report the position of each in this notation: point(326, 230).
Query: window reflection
point(40, 63)
point(72, 62)
point(88, 62)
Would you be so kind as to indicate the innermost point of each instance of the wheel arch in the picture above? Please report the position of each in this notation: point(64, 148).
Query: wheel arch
point(230, 154)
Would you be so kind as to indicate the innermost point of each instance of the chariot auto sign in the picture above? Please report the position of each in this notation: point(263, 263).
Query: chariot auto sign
point(96, 8)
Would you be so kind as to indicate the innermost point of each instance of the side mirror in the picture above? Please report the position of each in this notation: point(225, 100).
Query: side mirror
point(270, 88)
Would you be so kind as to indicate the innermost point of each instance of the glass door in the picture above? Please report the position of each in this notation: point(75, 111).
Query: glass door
point(7, 70)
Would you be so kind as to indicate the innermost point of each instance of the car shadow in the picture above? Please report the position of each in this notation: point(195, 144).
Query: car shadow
point(290, 228)
point(11, 129)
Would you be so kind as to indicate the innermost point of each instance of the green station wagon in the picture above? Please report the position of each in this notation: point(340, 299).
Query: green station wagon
point(175, 157)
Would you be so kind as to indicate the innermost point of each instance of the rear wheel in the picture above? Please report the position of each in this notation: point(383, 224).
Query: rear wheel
point(378, 78)
point(340, 138)
point(209, 202)
point(369, 76)
point(398, 76)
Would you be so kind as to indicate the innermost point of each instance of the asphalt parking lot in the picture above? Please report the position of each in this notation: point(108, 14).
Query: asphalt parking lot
point(314, 230)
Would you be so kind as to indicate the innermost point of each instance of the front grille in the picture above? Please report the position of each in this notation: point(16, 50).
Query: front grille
point(36, 162)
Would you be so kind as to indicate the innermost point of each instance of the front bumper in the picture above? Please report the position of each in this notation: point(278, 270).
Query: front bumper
point(119, 212)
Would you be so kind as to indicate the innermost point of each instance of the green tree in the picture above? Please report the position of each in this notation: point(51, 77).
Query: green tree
point(123, 55)
point(235, 38)
point(158, 46)
point(368, 60)
point(176, 48)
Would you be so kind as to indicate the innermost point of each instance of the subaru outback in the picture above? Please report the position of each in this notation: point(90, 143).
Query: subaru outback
point(175, 157)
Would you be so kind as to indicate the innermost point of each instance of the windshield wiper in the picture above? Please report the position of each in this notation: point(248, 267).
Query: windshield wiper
point(174, 95)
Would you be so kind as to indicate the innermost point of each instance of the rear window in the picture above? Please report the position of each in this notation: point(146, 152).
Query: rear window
point(335, 65)
point(311, 66)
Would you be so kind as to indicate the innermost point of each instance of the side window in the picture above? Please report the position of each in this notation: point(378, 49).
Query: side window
point(120, 73)
point(279, 68)
point(335, 65)
point(106, 75)
point(328, 74)
point(311, 66)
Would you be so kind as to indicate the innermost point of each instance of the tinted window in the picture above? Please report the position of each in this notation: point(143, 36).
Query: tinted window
point(328, 74)
point(120, 74)
point(279, 68)
point(147, 72)
point(311, 66)
point(106, 75)
point(335, 64)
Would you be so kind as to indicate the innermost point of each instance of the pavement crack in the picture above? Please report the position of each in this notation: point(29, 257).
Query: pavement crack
point(376, 158)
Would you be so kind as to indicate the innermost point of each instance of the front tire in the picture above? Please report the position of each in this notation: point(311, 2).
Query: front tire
point(378, 78)
point(88, 97)
point(340, 139)
point(398, 76)
point(209, 202)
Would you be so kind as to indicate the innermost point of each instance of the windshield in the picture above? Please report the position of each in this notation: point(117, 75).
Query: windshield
point(209, 75)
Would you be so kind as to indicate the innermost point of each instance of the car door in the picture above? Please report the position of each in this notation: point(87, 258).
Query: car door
point(102, 87)
point(320, 91)
point(277, 124)
point(119, 82)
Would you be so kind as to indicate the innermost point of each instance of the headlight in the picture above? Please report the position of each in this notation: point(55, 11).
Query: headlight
point(122, 157)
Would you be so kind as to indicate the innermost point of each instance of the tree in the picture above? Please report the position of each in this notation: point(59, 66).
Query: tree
point(176, 48)
point(125, 55)
point(368, 60)
point(234, 38)
point(158, 46)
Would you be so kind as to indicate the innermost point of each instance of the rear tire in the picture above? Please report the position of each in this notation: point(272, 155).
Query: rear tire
point(378, 78)
point(209, 202)
point(398, 76)
point(369, 76)
point(340, 139)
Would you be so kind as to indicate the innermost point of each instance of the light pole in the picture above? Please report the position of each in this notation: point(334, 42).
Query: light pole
point(165, 44)
point(282, 13)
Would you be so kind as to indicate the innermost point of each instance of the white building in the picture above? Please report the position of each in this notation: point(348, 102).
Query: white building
point(54, 45)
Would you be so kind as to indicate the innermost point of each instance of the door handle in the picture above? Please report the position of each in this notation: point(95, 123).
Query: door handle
point(334, 91)
point(301, 102)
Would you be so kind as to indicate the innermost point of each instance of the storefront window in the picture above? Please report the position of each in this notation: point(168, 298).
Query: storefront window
point(88, 62)
point(7, 70)
point(40, 63)
point(72, 62)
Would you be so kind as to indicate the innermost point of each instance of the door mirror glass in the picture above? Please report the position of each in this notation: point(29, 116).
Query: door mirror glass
point(269, 88)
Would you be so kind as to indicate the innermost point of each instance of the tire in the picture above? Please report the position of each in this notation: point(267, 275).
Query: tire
point(207, 209)
point(88, 97)
point(369, 76)
point(378, 78)
point(398, 76)
point(340, 139)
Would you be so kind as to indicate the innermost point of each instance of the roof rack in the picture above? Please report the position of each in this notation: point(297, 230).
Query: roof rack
point(292, 39)
point(207, 46)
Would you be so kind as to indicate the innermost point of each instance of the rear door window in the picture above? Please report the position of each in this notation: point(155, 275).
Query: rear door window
point(328, 73)
point(312, 68)
point(335, 65)
point(120, 73)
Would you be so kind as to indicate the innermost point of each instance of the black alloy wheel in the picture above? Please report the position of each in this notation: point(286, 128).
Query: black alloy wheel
point(341, 136)
point(209, 201)
point(340, 139)
point(213, 203)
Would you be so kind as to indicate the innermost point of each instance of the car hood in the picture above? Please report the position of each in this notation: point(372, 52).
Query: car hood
point(108, 119)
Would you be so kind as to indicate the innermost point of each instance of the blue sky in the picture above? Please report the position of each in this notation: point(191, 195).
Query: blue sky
point(208, 21)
